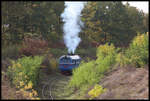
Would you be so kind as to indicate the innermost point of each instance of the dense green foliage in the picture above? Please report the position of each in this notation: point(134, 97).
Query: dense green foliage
point(89, 73)
point(41, 18)
point(24, 74)
point(36, 28)
point(11, 51)
point(25, 70)
point(106, 55)
point(137, 53)
point(103, 22)
point(112, 22)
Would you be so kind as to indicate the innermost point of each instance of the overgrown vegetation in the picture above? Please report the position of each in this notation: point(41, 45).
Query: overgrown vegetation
point(33, 46)
point(53, 64)
point(91, 72)
point(11, 51)
point(35, 28)
point(137, 53)
point(24, 74)
point(112, 22)
point(96, 91)
point(100, 22)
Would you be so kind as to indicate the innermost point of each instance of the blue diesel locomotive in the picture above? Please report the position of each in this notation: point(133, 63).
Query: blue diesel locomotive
point(69, 62)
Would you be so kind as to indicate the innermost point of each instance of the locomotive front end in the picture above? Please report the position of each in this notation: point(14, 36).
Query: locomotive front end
point(69, 62)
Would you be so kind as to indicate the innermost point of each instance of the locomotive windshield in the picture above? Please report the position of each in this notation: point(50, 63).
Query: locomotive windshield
point(69, 60)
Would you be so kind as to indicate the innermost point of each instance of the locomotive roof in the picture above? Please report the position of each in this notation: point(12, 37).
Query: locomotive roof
point(71, 56)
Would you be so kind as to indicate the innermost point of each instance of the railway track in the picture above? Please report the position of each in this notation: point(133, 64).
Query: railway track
point(54, 87)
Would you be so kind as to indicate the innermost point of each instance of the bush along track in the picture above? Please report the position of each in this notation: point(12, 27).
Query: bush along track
point(90, 73)
point(137, 53)
point(24, 75)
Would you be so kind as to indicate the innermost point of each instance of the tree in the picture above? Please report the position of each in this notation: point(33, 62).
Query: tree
point(111, 22)
point(137, 17)
point(91, 25)
point(41, 18)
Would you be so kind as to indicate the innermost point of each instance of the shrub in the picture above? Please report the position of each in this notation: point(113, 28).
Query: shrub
point(83, 75)
point(106, 55)
point(96, 91)
point(53, 64)
point(137, 53)
point(104, 51)
point(24, 72)
point(50, 63)
point(91, 72)
point(121, 59)
point(11, 51)
point(46, 59)
point(32, 47)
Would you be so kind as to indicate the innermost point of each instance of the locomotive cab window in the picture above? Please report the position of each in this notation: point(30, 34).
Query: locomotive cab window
point(65, 60)
point(78, 61)
point(73, 61)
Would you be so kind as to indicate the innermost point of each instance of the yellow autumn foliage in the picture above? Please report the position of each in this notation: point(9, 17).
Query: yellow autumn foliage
point(137, 53)
point(96, 91)
point(23, 73)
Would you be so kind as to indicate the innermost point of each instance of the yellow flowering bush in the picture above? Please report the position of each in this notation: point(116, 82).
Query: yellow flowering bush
point(24, 74)
point(32, 94)
point(137, 53)
point(96, 91)
point(105, 51)
point(27, 90)
point(89, 73)
point(121, 59)
point(106, 56)
point(29, 86)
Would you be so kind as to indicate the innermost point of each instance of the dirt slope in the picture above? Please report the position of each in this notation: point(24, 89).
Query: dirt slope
point(126, 83)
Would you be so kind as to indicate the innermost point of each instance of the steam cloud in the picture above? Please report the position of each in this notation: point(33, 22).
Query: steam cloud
point(71, 28)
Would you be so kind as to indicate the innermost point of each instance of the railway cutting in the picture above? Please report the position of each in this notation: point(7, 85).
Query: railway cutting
point(54, 86)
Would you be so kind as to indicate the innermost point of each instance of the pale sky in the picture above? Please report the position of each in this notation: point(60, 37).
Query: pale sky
point(142, 5)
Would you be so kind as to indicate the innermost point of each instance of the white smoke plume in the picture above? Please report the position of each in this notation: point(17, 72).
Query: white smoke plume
point(72, 23)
